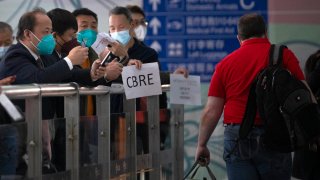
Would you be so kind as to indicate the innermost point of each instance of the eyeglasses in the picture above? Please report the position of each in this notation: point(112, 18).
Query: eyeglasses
point(140, 22)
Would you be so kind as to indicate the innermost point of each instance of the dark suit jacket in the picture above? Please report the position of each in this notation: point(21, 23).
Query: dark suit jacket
point(19, 61)
point(80, 76)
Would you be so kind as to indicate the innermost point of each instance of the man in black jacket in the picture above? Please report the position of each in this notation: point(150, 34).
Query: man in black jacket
point(120, 28)
point(28, 61)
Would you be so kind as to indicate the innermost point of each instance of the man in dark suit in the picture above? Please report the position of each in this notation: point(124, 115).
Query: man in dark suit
point(28, 61)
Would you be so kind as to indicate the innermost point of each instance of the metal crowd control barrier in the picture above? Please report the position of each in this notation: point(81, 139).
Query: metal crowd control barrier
point(125, 168)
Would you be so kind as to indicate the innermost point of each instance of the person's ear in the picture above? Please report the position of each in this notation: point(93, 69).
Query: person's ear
point(54, 34)
point(131, 24)
point(27, 34)
point(131, 29)
point(266, 34)
point(239, 39)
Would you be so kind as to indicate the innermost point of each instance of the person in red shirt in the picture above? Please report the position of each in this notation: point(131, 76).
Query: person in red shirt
point(228, 92)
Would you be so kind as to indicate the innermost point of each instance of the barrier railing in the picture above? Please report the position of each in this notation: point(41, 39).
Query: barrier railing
point(129, 163)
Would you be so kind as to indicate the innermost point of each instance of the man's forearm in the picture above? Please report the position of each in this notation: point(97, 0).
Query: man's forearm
point(207, 126)
point(210, 118)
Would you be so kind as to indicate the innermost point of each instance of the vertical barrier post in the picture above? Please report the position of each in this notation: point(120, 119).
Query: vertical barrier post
point(154, 135)
point(71, 110)
point(103, 113)
point(177, 140)
point(129, 107)
point(33, 115)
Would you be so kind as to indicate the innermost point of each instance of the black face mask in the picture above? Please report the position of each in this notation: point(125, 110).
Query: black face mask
point(68, 46)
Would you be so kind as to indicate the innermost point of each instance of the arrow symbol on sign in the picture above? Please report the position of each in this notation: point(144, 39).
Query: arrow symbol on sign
point(155, 24)
point(154, 4)
point(156, 46)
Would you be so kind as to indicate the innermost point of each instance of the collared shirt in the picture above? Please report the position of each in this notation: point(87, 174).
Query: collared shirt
point(234, 75)
point(68, 61)
point(35, 56)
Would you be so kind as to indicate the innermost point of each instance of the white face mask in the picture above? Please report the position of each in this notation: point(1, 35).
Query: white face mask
point(141, 32)
point(3, 51)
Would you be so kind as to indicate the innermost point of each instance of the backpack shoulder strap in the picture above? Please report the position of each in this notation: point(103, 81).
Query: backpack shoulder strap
point(250, 113)
point(275, 54)
point(248, 117)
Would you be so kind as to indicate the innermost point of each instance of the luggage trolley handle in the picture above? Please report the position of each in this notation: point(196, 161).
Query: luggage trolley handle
point(195, 167)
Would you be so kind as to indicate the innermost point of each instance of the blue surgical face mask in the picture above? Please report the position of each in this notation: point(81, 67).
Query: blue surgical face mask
point(46, 45)
point(3, 51)
point(122, 36)
point(87, 36)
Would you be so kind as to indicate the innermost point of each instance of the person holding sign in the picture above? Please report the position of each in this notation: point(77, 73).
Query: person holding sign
point(127, 46)
point(121, 27)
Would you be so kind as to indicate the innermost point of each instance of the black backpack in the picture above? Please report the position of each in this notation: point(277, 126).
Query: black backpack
point(291, 120)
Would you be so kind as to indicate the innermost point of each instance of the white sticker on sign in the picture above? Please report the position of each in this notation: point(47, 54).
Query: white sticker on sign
point(185, 90)
point(141, 82)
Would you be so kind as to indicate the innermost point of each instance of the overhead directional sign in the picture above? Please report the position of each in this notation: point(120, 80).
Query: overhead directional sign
point(156, 46)
point(155, 24)
point(196, 34)
point(154, 4)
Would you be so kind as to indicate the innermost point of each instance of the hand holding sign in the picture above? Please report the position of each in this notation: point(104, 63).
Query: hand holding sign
point(102, 41)
point(143, 82)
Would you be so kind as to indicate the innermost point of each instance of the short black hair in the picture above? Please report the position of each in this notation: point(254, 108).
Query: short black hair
point(134, 9)
point(28, 21)
point(85, 11)
point(4, 26)
point(251, 25)
point(62, 20)
point(119, 10)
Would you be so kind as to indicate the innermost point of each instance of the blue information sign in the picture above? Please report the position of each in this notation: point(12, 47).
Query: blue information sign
point(196, 34)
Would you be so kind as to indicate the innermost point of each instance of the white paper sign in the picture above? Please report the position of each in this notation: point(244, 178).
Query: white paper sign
point(102, 41)
point(141, 82)
point(185, 90)
point(10, 108)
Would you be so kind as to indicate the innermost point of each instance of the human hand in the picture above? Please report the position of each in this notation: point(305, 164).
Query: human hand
point(202, 155)
point(135, 62)
point(117, 49)
point(183, 71)
point(7, 80)
point(113, 70)
point(97, 71)
point(78, 54)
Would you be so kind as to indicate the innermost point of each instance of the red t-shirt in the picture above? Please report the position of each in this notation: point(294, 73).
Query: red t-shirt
point(235, 73)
